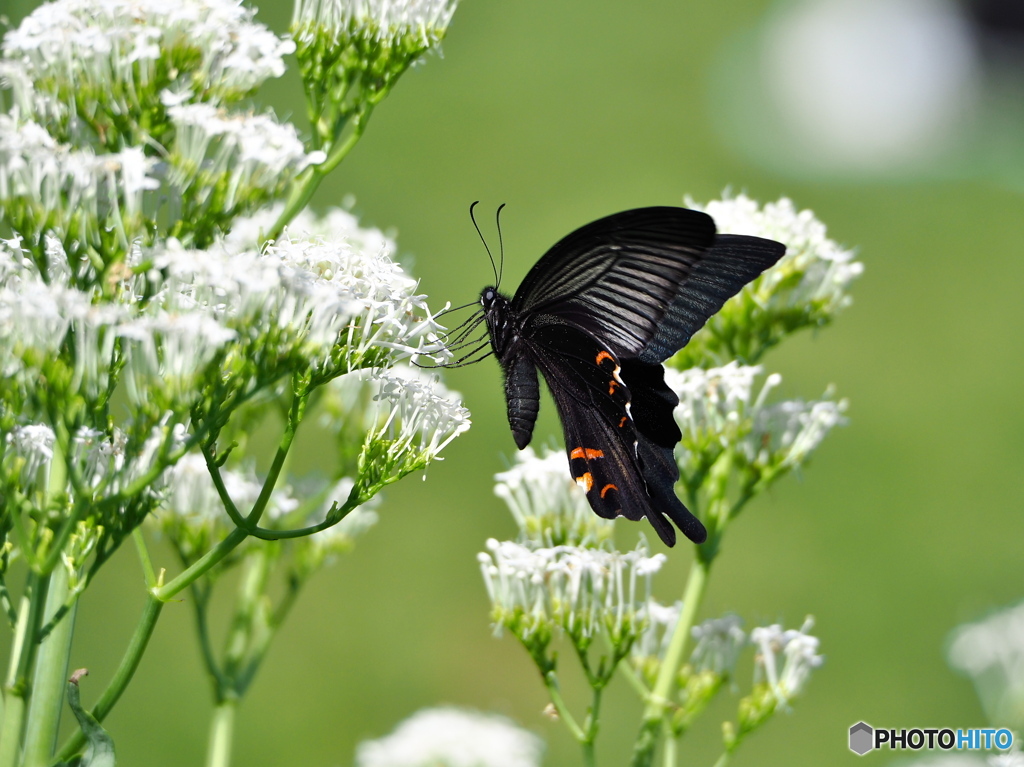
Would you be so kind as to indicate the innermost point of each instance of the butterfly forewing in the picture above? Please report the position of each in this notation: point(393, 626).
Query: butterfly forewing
point(616, 277)
point(732, 262)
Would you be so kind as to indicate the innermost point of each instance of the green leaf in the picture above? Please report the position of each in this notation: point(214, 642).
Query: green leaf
point(100, 749)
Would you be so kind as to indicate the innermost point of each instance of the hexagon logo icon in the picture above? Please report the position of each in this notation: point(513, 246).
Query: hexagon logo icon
point(861, 738)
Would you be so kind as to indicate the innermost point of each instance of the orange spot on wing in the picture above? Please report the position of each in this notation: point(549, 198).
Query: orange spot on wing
point(577, 452)
point(623, 421)
point(594, 453)
point(602, 356)
point(612, 386)
point(586, 453)
point(606, 488)
point(586, 481)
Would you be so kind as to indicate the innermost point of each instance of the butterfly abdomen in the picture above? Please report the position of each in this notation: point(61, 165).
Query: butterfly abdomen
point(522, 393)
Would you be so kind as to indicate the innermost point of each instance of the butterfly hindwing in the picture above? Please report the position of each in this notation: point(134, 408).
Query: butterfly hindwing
point(626, 466)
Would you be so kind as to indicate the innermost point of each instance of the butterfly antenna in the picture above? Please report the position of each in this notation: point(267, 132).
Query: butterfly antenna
point(501, 245)
point(481, 236)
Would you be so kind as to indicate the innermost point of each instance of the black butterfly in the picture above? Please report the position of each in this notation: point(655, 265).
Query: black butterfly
point(597, 315)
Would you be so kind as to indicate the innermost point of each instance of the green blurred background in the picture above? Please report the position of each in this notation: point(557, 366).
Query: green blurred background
point(907, 523)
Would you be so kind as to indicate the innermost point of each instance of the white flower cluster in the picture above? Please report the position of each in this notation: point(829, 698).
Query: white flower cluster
point(120, 120)
point(825, 270)
point(103, 465)
point(387, 21)
point(248, 232)
point(718, 410)
point(421, 416)
point(79, 47)
point(326, 302)
point(452, 737)
point(548, 506)
point(68, 188)
point(584, 591)
point(233, 154)
point(991, 652)
point(795, 651)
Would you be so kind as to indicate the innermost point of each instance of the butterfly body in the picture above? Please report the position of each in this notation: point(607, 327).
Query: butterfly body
point(596, 316)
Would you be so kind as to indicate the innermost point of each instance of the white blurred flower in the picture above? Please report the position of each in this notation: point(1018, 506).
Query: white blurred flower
point(31, 447)
point(44, 184)
point(193, 507)
point(797, 653)
point(869, 85)
point(584, 591)
point(548, 506)
point(342, 535)
point(97, 456)
point(1006, 760)
point(335, 225)
point(659, 624)
point(169, 352)
point(991, 652)
point(452, 737)
point(719, 642)
point(794, 429)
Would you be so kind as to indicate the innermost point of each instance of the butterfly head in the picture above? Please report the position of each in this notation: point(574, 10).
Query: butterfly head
point(498, 315)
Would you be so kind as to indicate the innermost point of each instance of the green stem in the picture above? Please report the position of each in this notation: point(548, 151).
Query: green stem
point(201, 602)
point(669, 755)
point(591, 726)
point(222, 729)
point(658, 702)
point(144, 559)
point(551, 682)
point(51, 675)
point(23, 652)
point(10, 735)
point(123, 675)
point(200, 567)
point(723, 760)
